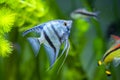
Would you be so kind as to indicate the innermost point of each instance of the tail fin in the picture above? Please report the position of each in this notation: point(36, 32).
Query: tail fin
point(96, 15)
point(37, 29)
point(35, 45)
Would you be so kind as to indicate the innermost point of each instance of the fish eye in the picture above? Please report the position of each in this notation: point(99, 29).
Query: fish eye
point(65, 24)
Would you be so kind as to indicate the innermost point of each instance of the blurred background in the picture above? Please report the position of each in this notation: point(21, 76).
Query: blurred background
point(89, 39)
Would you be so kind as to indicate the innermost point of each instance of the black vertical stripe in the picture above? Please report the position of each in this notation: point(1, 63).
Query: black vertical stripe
point(110, 52)
point(49, 41)
point(56, 33)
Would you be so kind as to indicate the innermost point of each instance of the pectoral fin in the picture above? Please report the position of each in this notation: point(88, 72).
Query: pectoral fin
point(116, 62)
point(67, 47)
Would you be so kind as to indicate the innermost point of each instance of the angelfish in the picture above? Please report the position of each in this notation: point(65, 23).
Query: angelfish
point(83, 13)
point(52, 34)
point(112, 55)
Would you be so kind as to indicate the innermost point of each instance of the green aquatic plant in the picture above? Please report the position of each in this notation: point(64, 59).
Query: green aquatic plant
point(5, 47)
point(7, 19)
point(23, 14)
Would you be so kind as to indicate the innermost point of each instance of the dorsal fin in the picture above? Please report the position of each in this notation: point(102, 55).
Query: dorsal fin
point(115, 37)
point(37, 29)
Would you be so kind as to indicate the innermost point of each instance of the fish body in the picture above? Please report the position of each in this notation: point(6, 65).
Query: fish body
point(53, 34)
point(113, 54)
point(83, 13)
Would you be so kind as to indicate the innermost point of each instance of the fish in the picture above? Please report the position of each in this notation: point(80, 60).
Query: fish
point(83, 13)
point(53, 34)
point(112, 55)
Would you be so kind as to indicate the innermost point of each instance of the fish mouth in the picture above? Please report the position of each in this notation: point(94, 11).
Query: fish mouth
point(69, 22)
